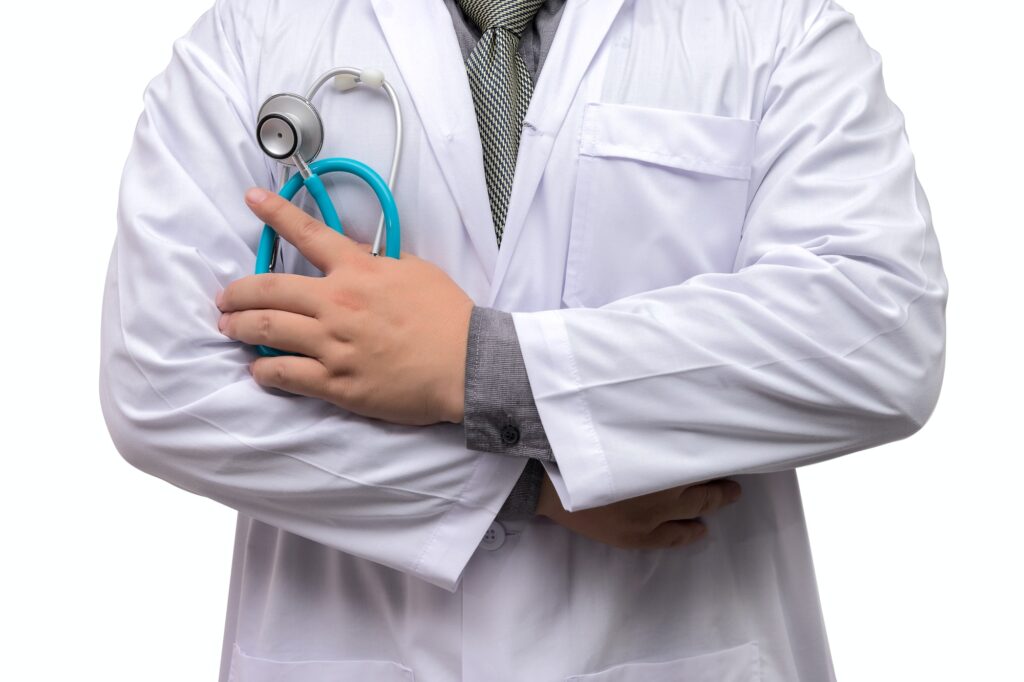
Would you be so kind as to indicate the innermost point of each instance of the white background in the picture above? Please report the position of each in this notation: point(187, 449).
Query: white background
point(108, 572)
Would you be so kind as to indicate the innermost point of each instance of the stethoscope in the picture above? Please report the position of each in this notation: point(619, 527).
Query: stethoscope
point(289, 130)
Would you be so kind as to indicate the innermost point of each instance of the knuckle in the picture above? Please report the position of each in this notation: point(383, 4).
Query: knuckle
point(356, 393)
point(690, 503)
point(274, 210)
point(366, 263)
point(339, 388)
point(307, 228)
point(345, 298)
point(266, 284)
point(683, 533)
point(279, 374)
point(348, 296)
point(670, 541)
point(264, 326)
point(338, 359)
point(269, 372)
point(695, 501)
point(665, 536)
point(709, 499)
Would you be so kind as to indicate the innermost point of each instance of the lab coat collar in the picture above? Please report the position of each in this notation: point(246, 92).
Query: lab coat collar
point(581, 32)
point(425, 48)
point(427, 53)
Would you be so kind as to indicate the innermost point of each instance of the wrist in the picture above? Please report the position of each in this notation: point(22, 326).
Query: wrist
point(455, 403)
point(453, 389)
point(548, 503)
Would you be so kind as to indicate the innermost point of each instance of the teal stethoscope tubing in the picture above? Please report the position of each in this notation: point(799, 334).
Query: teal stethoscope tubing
point(315, 186)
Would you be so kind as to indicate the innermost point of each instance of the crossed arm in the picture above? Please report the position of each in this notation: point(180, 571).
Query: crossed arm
point(827, 338)
point(387, 339)
point(180, 405)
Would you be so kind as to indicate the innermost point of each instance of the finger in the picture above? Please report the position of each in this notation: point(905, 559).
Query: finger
point(277, 329)
point(294, 293)
point(704, 498)
point(675, 534)
point(302, 376)
point(321, 245)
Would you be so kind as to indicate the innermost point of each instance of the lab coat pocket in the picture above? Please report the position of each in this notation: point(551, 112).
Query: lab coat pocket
point(739, 664)
point(661, 196)
point(246, 668)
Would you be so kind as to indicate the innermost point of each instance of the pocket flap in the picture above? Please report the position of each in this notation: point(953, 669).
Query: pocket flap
point(739, 664)
point(702, 143)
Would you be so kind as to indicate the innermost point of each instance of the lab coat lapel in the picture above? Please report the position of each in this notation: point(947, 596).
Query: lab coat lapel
point(424, 46)
point(580, 33)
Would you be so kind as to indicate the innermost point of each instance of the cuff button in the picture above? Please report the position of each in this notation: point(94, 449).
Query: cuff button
point(509, 434)
point(494, 537)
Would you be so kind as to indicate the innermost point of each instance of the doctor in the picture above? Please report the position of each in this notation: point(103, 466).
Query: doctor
point(716, 262)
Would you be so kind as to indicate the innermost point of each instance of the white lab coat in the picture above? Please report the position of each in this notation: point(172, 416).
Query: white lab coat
point(720, 261)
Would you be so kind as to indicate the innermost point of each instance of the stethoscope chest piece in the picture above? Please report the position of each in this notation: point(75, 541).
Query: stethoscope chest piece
point(289, 125)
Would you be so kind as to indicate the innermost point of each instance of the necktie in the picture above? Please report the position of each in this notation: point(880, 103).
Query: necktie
point(501, 87)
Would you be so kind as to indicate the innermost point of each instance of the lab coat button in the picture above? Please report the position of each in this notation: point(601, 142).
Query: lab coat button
point(509, 434)
point(494, 537)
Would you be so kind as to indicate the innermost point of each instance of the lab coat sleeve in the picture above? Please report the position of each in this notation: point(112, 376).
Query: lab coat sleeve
point(826, 338)
point(176, 394)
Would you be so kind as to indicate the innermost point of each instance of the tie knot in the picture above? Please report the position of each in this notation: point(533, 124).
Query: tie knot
point(511, 15)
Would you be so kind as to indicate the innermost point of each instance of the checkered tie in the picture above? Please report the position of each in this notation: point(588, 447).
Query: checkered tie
point(502, 88)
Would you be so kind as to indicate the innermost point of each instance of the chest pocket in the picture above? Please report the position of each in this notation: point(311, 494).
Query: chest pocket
point(660, 196)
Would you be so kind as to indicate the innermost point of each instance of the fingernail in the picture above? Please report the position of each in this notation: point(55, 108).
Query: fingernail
point(222, 322)
point(256, 195)
point(220, 299)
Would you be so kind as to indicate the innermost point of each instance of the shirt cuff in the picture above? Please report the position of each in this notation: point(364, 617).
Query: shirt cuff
point(500, 414)
point(521, 503)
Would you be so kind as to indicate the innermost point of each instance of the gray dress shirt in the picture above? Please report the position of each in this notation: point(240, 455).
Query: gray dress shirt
point(500, 414)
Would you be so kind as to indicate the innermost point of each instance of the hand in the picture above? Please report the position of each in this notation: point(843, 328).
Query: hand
point(383, 338)
point(667, 518)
